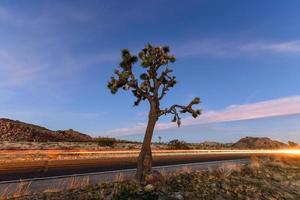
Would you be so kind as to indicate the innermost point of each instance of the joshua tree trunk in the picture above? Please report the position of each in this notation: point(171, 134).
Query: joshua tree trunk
point(144, 163)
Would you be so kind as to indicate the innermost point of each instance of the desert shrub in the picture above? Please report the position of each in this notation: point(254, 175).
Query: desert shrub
point(132, 191)
point(128, 142)
point(177, 144)
point(106, 141)
point(125, 191)
point(131, 147)
point(292, 144)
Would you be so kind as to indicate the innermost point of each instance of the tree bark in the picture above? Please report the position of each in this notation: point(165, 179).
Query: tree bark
point(144, 163)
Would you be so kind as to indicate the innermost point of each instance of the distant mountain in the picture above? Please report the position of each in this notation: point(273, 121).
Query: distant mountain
point(258, 143)
point(17, 131)
point(11, 130)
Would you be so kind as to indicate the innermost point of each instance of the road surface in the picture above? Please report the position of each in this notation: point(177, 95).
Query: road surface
point(39, 169)
point(50, 174)
point(59, 183)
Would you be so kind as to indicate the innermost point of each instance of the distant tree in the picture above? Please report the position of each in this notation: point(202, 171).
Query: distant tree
point(292, 144)
point(159, 139)
point(152, 86)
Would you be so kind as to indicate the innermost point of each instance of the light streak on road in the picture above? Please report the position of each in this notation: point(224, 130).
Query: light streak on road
point(10, 156)
point(188, 152)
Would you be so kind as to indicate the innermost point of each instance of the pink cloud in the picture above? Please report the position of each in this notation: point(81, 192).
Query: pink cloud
point(263, 109)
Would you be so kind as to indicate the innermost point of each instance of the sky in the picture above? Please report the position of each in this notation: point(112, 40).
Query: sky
point(242, 58)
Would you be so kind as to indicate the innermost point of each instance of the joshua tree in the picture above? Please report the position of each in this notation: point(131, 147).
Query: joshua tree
point(159, 139)
point(152, 86)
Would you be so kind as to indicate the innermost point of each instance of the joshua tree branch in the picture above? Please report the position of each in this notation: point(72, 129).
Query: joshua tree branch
point(176, 109)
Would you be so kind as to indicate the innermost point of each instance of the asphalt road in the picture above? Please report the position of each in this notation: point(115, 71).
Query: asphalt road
point(39, 169)
point(60, 183)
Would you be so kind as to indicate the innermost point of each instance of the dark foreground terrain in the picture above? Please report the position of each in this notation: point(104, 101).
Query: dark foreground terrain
point(266, 178)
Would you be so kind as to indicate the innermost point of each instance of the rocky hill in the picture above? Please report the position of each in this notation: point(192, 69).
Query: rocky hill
point(258, 143)
point(15, 131)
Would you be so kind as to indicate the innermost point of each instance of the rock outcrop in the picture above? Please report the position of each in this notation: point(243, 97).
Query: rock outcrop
point(258, 143)
point(16, 131)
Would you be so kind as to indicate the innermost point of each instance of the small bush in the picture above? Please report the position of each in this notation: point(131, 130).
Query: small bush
point(105, 141)
point(292, 144)
point(131, 147)
point(176, 144)
point(132, 191)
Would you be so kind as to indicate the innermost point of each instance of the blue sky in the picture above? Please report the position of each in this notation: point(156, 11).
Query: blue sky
point(241, 57)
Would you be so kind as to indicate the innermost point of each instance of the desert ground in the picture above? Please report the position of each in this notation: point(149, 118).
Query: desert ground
point(269, 177)
point(26, 163)
point(22, 163)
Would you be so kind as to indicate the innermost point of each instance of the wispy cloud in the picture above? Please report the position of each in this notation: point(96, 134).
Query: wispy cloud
point(231, 48)
point(34, 53)
point(264, 109)
point(276, 47)
point(44, 17)
point(17, 68)
point(30, 69)
point(210, 47)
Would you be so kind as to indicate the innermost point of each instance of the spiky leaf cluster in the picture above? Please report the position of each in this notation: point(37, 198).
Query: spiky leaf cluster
point(124, 75)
